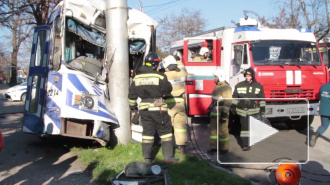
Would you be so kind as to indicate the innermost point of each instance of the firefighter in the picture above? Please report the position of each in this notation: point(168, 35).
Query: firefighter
point(324, 112)
point(151, 86)
point(204, 55)
point(249, 88)
point(220, 113)
point(176, 101)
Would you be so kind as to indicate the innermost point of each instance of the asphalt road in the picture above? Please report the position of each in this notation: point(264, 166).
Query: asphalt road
point(27, 159)
point(260, 163)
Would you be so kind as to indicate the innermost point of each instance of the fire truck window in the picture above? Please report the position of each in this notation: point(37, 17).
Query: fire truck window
point(245, 58)
point(278, 52)
point(200, 51)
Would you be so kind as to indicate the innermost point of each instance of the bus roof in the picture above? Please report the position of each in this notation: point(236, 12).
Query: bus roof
point(92, 13)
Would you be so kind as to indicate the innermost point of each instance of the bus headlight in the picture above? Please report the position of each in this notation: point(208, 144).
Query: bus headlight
point(88, 102)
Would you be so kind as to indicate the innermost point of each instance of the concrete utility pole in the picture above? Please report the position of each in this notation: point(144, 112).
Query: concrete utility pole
point(117, 48)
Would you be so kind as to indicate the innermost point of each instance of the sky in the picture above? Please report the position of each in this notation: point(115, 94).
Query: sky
point(219, 13)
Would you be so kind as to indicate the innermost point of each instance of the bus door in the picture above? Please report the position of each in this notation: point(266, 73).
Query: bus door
point(239, 63)
point(201, 56)
point(36, 92)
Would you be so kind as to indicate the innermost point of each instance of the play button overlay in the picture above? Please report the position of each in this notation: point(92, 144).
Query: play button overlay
point(259, 130)
point(280, 138)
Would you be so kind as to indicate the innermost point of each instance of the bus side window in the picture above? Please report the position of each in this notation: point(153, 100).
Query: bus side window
point(40, 50)
point(35, 89)
point(56, 59)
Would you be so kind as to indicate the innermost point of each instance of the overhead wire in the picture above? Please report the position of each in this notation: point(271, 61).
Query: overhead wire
point(170, 2)
point(161, 8)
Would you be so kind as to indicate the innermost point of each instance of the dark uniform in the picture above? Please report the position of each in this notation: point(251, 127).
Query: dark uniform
point(149, 85)
point(324, 112)
point(245, 108)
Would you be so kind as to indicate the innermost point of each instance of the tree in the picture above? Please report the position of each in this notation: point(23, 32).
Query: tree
point(20, 17)
point(176, 27)
point(311, 14)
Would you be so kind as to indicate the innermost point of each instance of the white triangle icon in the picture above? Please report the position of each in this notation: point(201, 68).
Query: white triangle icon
point(259, 130)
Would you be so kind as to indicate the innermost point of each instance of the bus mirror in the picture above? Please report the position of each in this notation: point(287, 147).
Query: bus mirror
point(238, 50)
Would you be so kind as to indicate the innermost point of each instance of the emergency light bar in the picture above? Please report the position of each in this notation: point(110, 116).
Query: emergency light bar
point(246, 21)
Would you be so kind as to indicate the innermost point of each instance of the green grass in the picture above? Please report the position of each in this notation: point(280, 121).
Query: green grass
point(106, 163)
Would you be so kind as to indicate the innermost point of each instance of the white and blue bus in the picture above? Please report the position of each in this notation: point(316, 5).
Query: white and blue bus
point(67, 66)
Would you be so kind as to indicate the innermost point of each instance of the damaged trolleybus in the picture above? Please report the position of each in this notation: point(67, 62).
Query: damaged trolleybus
point(67, 91)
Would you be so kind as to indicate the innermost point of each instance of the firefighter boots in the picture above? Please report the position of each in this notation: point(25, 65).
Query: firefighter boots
point(246, 148)
point(313, 139)
point(182, 149)
point(148, 161)
point(171, 159)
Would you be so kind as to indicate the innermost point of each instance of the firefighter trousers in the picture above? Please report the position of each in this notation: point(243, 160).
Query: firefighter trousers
point(152, 121)
point(245, 128)
point(179, 119)
point(222, 136)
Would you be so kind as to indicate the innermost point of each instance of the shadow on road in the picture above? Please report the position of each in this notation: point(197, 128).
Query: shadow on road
point(30, 159)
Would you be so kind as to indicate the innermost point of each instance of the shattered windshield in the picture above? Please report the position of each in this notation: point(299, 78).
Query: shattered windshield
point(137, 46)
point(285, 53)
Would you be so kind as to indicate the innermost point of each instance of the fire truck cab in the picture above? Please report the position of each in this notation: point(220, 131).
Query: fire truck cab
point(287, 62)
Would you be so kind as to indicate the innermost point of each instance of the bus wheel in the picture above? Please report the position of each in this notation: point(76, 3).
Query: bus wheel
point(301, 124)
point(23, 97)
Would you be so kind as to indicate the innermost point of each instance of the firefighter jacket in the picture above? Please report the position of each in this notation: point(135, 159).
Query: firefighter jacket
point(148, 85)
point(246, 107)
point(221, 90)
point(177, 79)
point(325, 100)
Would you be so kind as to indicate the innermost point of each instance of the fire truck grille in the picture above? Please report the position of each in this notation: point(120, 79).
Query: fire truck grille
point(305, 93)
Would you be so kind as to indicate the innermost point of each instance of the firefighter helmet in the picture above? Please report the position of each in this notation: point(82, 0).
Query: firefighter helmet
point(221, 74)
point(249, 71)
point(168, 61)
point(287, 174)
point(152, 60)
point(204, 50)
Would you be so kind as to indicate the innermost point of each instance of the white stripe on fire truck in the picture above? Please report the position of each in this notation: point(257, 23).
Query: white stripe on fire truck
point(289, 77)
point(297, 79)
point(199, 96)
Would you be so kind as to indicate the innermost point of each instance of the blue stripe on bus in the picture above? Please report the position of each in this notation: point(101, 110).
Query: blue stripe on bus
point(102, 106)
point(201, 77)
point(76, 82)
point(54, 116)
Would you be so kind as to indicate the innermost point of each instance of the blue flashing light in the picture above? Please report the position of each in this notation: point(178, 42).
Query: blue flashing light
point(304, 30)
point(246, 28)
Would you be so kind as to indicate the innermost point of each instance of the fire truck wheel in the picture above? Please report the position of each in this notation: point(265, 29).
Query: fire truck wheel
point(301, 124)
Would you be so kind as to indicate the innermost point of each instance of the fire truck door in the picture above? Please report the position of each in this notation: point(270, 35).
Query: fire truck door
point(238, 64)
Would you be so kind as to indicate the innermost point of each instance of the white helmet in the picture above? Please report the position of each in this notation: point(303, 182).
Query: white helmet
point(203, 50)
point(168, 61)
point(221, 74)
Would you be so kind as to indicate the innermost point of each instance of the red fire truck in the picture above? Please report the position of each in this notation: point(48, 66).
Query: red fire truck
point(287, 62)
